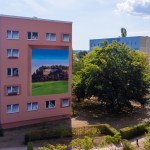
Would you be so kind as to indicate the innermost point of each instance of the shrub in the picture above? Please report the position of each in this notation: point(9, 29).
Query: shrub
point(109, 130)
point(85, 144)
point(87, 130)
point(147, 140)
point(130, 132)
point(91, 130)
point(127, 145)
point(47, 134)
point(109, 141)
point(53, 147)
point(30, 146)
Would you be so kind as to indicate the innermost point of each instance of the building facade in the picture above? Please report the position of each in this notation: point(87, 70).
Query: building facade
point(141, 43)
point(35, 70)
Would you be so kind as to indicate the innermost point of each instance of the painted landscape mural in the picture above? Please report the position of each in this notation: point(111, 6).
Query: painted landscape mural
point(49, 71)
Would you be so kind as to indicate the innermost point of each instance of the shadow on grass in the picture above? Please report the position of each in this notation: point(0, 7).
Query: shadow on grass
point(93, 112)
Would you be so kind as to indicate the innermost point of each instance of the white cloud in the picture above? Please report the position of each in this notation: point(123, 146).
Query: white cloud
point(134, 7)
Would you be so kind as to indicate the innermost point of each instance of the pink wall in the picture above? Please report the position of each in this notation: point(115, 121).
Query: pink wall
point(24, 65)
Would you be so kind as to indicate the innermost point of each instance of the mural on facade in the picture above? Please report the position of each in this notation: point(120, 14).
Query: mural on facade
point(49, 71)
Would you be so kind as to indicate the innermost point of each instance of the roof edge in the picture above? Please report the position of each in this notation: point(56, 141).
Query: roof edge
point(34, 18)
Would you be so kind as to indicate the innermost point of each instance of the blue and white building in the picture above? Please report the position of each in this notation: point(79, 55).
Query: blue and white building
point(141, 43)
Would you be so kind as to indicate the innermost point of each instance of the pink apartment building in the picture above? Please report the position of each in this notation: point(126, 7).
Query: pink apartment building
point(35, 70)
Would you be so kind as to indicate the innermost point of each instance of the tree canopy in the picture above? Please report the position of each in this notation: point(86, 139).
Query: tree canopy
point(115, 74)
point(123, 32)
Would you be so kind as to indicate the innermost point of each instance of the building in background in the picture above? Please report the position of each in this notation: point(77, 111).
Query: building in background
point(35, 70)
point(141, 43)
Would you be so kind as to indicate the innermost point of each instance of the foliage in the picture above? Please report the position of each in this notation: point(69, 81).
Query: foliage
point(81, 54)
point(109, 130)
point(123, 32)
point(127, 145)
point(94, 130)
point(53, 147)
point(43, 134)
point(91, 130)
point(30, 146)
point(85, 144)
point(130, 132)
point(147, 140)
point(74, 105)
point(78, 87)
point(109, 141)
point(115, 74)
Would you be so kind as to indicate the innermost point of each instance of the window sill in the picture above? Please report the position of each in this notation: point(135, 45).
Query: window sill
point(12, 57)
point(12, 38)
point(32, 39)
point(51, 108)
point(32, 110)
point(12, 112)
point(12, 94)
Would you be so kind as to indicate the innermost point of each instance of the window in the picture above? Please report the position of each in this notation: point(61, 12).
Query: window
point(13, 72)
point(12, 53)
point(13, 108)
point(51, 36)
point(12, 34)
point(65, 102)
point(12, 90)
point(32, 35)
point(50, 104)
point(32, 106)
point(65, 37)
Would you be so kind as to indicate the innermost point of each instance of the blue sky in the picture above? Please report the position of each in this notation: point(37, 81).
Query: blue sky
point(91, 18)
point(45, 57)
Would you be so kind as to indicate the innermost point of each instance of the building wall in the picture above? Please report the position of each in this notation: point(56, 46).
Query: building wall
point(132, 42)
point(145, 44)
point(24, 25)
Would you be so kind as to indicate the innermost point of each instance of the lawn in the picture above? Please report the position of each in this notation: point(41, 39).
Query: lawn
point(50, 87)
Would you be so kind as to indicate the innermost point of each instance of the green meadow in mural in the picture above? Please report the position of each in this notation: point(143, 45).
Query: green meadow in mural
point(49, 71)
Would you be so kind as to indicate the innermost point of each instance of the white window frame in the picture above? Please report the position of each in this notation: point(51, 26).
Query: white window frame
point(68, 103)
point(49, 105)
point(30, 106)
point(63, 38)
point(12, 108)
point(11, 90)
point(11, 53)
point(12, 75)
point(32, 36)
point(11, 36)
point(50, 37)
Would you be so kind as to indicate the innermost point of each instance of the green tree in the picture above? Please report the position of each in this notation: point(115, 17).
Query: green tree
point(123, 32)
point(78, 87)
point(81, 54)
point(147, 140)
point(115, 74)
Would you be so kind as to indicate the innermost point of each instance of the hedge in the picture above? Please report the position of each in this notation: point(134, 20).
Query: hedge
point(131, 132)
point(68, 132)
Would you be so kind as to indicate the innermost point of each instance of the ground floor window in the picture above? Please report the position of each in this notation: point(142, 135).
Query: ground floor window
point(50, 104)
point(32, 106)
point(65, 102)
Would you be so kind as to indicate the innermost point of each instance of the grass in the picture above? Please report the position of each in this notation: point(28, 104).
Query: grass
point(50, 87)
